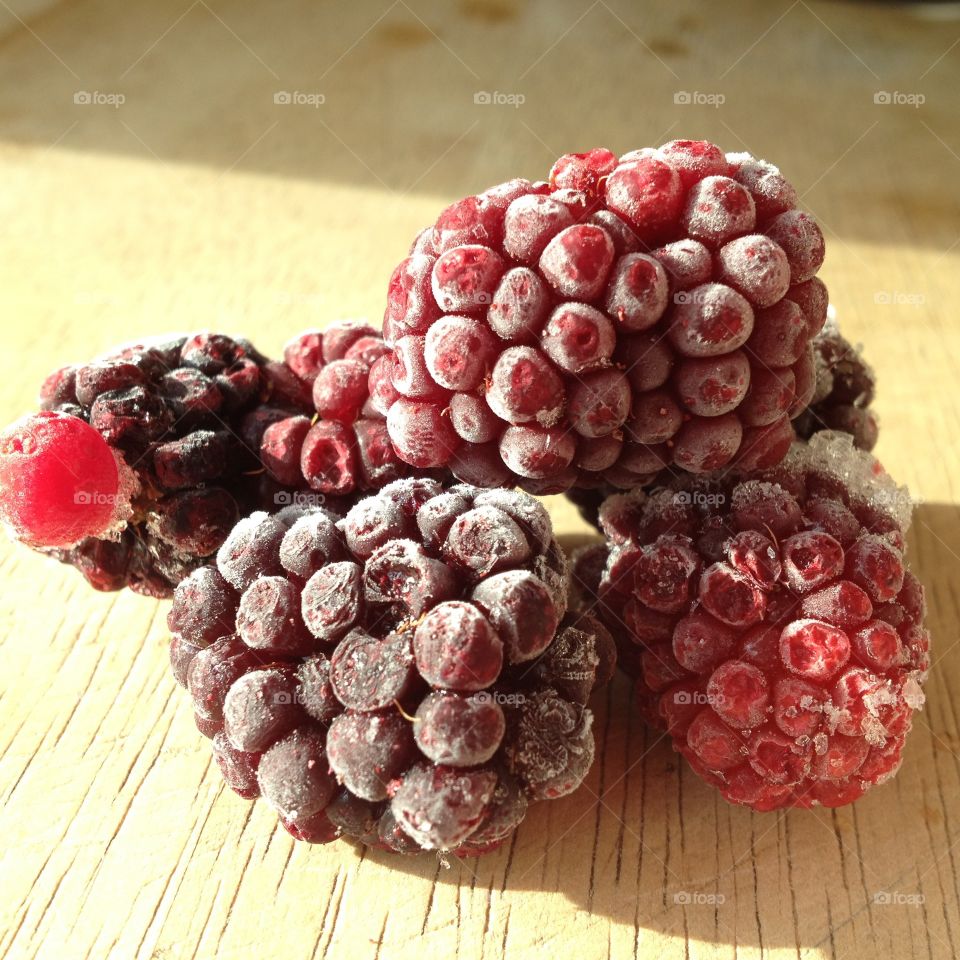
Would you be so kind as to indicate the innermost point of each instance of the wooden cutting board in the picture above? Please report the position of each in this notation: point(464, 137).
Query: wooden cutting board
point(202, 200)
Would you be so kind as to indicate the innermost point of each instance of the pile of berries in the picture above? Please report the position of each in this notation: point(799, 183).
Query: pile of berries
point(141, 462)
point(408, 677)
point(379, 632)
point(630, 314)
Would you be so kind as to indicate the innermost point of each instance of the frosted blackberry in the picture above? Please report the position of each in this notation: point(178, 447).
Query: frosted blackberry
point(407, 676)
point(143, 461)
point(629, 315)
point(844, 393)
point(771, 623)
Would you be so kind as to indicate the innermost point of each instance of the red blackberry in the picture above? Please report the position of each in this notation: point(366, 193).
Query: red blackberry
point(143, 461)
point(407, 676)
point(845, 390)
point(631, 314)
point(771, 623)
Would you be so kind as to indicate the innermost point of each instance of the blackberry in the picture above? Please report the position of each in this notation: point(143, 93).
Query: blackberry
point(771, 624)
point(408, 676)
point(630, 314)
point(846, 385)
point(142, 462)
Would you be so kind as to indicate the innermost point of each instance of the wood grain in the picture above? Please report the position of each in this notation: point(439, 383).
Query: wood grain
point(201, 203)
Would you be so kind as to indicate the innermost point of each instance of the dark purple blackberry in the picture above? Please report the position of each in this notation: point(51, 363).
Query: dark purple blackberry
point(203, 430)
point(846, 385)
point(407, 676)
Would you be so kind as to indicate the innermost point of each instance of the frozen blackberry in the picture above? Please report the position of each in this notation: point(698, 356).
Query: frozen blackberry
point(845, 390)
point(630, 314)
point(168, 415)
point(407, 676)
point(143, 461)
point(771, 624)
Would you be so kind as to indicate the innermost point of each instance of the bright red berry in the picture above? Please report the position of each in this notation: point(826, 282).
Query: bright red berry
point(59, 481)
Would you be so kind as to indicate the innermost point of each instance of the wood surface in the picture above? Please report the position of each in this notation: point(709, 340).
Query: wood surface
point(201, 203)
